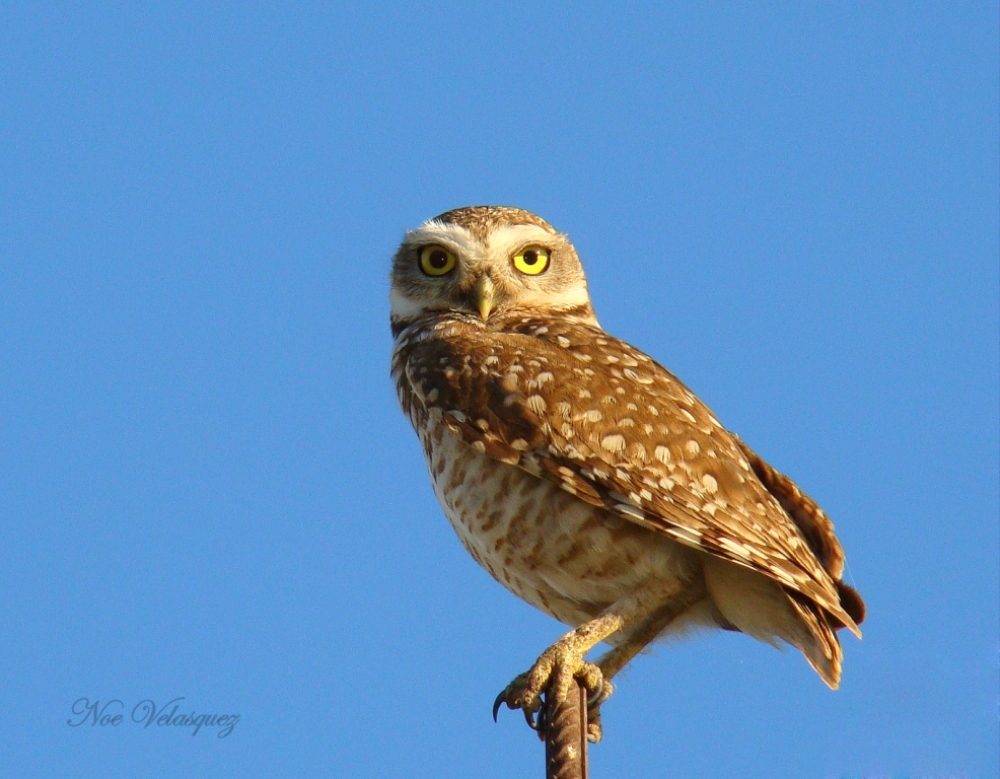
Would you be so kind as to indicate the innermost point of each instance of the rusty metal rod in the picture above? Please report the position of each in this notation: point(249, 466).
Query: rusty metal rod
point(566, 735)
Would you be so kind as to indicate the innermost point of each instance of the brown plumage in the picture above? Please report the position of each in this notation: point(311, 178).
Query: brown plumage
point(582, 474)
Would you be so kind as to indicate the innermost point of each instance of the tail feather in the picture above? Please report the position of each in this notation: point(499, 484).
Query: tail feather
point(761, 607)
point(817, 640)
point(850, 601)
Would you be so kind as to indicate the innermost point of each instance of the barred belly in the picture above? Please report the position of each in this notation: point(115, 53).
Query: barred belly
point(566, 557)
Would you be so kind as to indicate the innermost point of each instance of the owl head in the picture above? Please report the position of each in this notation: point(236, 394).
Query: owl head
point(488, 262)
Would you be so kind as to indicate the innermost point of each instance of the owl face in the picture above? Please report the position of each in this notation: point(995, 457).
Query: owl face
point(486, 261)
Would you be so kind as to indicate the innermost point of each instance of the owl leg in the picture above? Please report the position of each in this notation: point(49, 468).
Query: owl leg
point(636, 639)
point(647, 630)
point(559, 667)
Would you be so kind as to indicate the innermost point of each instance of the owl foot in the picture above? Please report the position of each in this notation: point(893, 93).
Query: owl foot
point(594, 731)
point(556, 673)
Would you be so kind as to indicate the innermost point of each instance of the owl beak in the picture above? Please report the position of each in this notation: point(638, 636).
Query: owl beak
point(485, 292)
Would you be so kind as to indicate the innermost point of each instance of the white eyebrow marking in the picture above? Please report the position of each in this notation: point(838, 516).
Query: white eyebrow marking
point(509, 238)
point(451, 235)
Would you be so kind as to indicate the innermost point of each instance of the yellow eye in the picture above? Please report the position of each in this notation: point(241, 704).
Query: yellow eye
point(435, 261)
point(532, 260)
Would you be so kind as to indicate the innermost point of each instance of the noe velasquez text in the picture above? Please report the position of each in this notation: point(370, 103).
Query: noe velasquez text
point(112, 713)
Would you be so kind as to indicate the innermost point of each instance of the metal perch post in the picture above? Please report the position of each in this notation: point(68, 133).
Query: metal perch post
point(565, 731)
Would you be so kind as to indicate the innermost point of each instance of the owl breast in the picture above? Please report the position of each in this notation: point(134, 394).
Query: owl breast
point(566, 557)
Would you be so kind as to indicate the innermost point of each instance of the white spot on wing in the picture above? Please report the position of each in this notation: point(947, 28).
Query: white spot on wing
point(737, 549)
point(686, 534)
point(630, 511)
point(615, 442)
point(537, 404)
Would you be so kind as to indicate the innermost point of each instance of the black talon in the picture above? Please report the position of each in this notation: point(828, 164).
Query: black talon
point(597, 695)
point(501, 698)
point(542, 724)
point(530, 719)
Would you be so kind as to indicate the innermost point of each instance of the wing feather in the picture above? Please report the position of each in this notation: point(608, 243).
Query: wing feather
point(608, 424)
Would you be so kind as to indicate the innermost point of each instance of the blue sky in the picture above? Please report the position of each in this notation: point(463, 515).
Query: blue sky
point(209, 492)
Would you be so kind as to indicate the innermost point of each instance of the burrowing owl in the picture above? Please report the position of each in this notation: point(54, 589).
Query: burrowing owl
point(583, 475)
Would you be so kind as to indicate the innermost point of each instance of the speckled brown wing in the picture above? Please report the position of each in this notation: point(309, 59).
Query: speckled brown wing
point(570, 404)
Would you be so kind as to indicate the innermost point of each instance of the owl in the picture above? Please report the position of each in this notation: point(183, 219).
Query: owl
point(585, 477)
